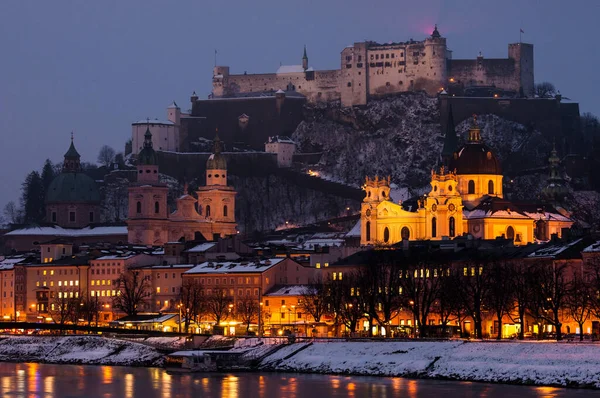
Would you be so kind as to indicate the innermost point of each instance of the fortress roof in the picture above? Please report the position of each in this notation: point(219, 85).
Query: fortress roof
point(151, 122)
point(292, 69)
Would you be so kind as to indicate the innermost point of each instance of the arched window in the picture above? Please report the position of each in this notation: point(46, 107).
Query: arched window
point(471, 187)
point(386, 235)
point(207, 210)
point(451, 227)
point(510, 233)
point(433, 227)
point(491, 187)
point(405, 233)
point(368, 231)
point(156, 207)
point(225, 211)
point(139, 207)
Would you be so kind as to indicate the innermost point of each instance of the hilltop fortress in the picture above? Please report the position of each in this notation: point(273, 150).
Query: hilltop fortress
point(369, 69)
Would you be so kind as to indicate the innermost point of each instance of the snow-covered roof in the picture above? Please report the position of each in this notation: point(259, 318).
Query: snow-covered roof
point(201, 248)
point(291, 290)
point(553, 250)
point(117, 257)
point(547, 216)
point(173, 266)
point(282, 139)
point(229, 267)
point(355, 231)
point(292, 69)
point(173, 105)
point(155, 121)
point(593, 248)
point(479, 213)
point(79, 232)
point(311, 243)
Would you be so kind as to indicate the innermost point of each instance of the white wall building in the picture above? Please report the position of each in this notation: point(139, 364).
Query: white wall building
point(165, 133)
point(284, 147)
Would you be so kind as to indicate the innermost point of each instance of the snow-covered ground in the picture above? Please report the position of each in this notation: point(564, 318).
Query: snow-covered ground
point(89, 350)
point(503, 362)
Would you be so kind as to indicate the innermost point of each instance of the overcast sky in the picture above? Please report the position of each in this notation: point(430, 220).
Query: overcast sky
point(94, 67)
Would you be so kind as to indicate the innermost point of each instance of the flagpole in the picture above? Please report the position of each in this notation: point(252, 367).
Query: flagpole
point(215, 57)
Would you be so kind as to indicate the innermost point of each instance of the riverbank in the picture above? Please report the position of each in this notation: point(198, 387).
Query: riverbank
point(81, 350)
point(529, 363)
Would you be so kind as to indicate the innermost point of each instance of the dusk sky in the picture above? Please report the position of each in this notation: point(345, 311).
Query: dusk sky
point(94, 67)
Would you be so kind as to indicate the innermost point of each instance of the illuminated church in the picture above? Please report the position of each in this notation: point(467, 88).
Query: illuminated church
point(209, 216)
point(466, 198)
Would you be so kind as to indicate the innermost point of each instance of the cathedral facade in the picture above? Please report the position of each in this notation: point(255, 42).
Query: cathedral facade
point(208, 216)
point(466, 197)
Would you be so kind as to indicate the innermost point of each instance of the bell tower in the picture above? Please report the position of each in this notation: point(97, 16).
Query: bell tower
point(216, 200)
point(147, 215)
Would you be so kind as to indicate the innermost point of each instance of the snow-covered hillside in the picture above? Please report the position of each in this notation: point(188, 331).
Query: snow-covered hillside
point(401, 136)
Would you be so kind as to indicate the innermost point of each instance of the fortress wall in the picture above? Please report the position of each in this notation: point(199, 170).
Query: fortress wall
point(309, 84)
point(501, 73)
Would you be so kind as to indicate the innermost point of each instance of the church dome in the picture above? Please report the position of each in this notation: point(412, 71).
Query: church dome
point(70, 187)
point(475, 157)
point(216, 161)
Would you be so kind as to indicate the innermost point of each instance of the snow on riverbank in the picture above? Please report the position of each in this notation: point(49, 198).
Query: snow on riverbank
point(503, 362)
point(89, 350)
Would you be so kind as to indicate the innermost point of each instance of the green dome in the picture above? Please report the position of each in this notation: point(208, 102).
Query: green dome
point(147, 155)
point(73, 188)
point(216, 161)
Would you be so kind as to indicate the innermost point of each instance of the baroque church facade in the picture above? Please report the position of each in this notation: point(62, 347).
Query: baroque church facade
point(209, 216)
point(466, 197)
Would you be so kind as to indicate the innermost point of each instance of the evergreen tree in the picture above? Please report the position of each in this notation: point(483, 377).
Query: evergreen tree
point(47, 177)
point(32, 199)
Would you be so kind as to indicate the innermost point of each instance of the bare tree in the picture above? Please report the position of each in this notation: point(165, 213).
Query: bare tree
point(521, 284)
point(61, 307)
point(90, 309)
point(579, 301)
point(473, 288)
point(421, 283)
point(218, 305)
point(12, 214)
point(550, 288)
point(247, 311)
point(106, 155)
point(191, 300)
point(545, 90)
point(134, 290)
point(500, 295)
point(314, 300)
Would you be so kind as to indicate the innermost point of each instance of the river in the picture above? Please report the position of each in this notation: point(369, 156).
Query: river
point(43, 380)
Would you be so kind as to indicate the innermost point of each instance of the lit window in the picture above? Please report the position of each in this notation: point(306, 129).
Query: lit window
point(92, 293)
point(77, 283)
point(158, 289)
point(70, 283)
point(93, 282)
point(318, 265)
point(51, 272)
point(59, 294)
point(37, 283)
point(326, 265)
point(44, 272)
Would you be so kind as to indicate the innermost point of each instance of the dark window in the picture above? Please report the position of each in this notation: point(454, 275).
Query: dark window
point(452, 227)
point(433, 227)
point(491, 187)
point(359, 65)
point(386, 235)
point(72, 216)
point(368, 232)
point(510, 233)
point(349, 84)
point(348, 66)
point(53, 216)
point(156, 207)
point(207, 210)
point(392, 55)
point(387, 55)
point(225, 211)
point(139, 207)
point(405, 233)
point(359, 58)
point(91, 216)
point(471, 188)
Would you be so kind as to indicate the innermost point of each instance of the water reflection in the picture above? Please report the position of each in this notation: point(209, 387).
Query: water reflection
point(57, 381)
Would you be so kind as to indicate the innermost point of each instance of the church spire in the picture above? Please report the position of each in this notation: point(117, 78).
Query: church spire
point(305, 59)
point(450, 138)
point(72, 162)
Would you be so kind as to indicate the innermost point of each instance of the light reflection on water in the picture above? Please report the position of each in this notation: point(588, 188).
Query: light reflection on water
point(50, 381)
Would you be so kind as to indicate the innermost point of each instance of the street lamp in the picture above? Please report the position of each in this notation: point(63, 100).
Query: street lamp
point(179, 308)
point(412, 309)
point(260, 333)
